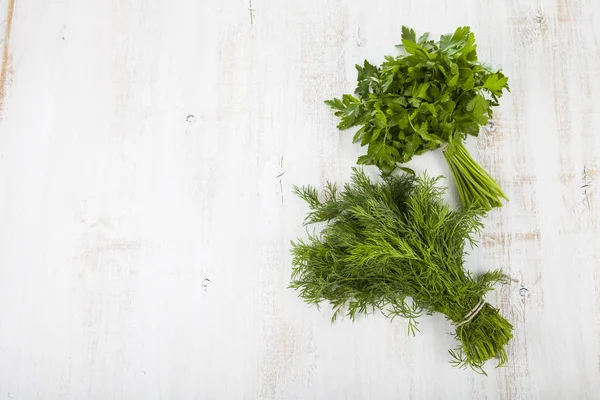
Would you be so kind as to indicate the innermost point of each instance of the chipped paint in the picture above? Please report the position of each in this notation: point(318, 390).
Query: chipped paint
point(6, 68)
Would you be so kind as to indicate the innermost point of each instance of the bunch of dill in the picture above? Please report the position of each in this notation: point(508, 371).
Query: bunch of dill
point(397, 247)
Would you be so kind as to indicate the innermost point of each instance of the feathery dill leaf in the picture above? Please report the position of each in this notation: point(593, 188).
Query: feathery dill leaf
point(397, 247)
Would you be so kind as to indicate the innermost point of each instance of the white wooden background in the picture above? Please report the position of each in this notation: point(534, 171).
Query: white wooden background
point(147, 154)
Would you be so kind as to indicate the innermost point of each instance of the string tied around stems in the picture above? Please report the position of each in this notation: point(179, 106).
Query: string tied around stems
point(472, 314)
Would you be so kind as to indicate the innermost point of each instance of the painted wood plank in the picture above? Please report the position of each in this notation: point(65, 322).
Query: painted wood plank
point(147, 154)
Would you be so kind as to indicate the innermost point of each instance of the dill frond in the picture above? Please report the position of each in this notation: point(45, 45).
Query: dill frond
point(397, 247)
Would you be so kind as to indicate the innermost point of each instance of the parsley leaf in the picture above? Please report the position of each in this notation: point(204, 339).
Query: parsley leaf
point(495, 83)
point(433, 93)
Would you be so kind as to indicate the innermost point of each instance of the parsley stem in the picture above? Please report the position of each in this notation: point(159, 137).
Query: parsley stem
point(476, 187)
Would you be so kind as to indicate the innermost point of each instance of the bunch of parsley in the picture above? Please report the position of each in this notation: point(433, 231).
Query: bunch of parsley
point(435, 94)
point(397, 247)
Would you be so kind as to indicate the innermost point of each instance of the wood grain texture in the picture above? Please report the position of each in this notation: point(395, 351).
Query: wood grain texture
point(5, 62)
point(147, 154)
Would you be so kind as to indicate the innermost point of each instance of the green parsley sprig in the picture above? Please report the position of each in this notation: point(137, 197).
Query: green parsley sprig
point(436, 94)
point(397, 247)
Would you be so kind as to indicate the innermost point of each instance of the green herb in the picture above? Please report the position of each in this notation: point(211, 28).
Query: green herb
point(397, 247)
point(436, 93)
